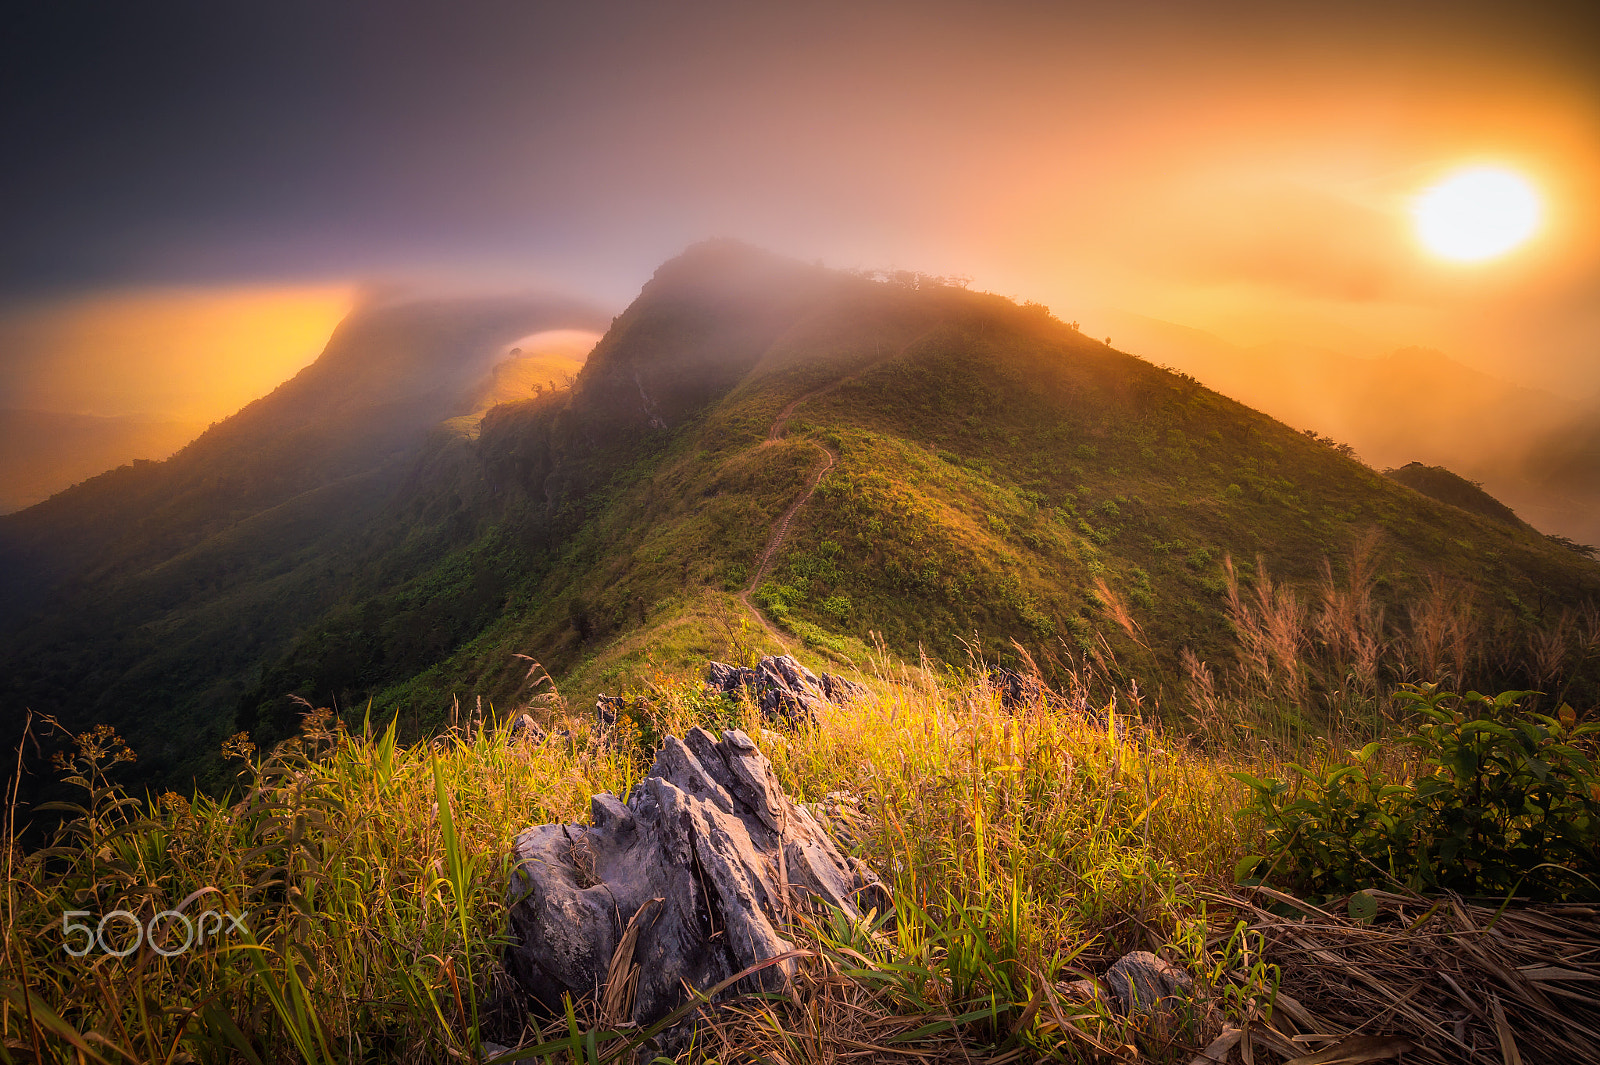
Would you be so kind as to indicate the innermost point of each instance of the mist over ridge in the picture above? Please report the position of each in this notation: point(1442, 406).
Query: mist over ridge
point(1122, 479)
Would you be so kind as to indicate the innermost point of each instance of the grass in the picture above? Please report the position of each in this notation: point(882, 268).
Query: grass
point(1028, 848)
point(1192, 565)
point(1025, 848)
point(996, 471)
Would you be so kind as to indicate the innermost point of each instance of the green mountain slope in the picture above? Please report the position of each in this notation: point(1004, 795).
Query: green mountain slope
point(1545, 465)
point(982, 474)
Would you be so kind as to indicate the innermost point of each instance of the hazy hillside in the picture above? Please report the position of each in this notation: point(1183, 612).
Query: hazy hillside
point(998, 477)
point(1537, 452)
point(1439, 483)
point(991, 475)
point(43, 452)
point(548, 363)
point(150, 594)
point(1563, 467)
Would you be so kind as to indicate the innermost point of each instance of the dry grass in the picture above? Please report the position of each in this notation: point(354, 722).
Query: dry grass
point(1325, 662)
point(1456, 981)
point(1431, 981)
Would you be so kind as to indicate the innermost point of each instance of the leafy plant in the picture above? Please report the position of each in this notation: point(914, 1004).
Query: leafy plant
point(1237, 968)
point(1501, 802)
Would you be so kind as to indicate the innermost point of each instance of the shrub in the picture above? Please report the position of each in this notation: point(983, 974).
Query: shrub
point(1502, 802)
point(837, 608)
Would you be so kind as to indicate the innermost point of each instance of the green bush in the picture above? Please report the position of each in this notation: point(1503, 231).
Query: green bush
point(837, 607)
point(1503, 801)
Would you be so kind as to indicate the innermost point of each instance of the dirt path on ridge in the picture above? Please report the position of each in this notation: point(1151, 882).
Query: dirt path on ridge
point(780, 528)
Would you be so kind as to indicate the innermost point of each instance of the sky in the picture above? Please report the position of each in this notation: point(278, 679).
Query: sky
point(234, 176)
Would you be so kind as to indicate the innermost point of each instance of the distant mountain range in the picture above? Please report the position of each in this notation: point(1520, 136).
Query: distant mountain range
point(43, 452)
point(1535, 451)
point(757, 452)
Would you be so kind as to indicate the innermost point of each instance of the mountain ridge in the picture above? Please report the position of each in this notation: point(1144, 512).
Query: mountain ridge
point(1448, 487)
point(382, 382)
point(43, 452)
point(159, 587)
point(1000, 479)
point(733, 456)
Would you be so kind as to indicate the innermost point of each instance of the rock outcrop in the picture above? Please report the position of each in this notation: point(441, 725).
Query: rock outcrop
point(524, 727)
point(607, 708)
point(688, 883)
point(781, 687)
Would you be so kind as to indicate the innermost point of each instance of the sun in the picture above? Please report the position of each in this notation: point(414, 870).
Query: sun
point(1477, 214)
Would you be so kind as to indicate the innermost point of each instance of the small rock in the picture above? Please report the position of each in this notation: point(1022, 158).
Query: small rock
point(606, 709)
point(841, 691)
point(725, 678)
point(1016, 689)
point(524, 727)
point(1144, 983)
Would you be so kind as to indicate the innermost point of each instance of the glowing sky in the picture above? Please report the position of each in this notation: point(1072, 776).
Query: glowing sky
point(191, 354)
point(1245, 168)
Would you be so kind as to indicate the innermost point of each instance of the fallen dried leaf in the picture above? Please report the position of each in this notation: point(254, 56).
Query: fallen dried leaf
point(1355, 1050)
point(1216, 1052)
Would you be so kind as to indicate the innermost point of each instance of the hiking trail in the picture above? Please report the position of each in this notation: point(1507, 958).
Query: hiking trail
point(780, 528)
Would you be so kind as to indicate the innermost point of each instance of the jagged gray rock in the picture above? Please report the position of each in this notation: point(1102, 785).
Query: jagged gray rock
point(707, 860)
point(782, 687)
point(1139, 982)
